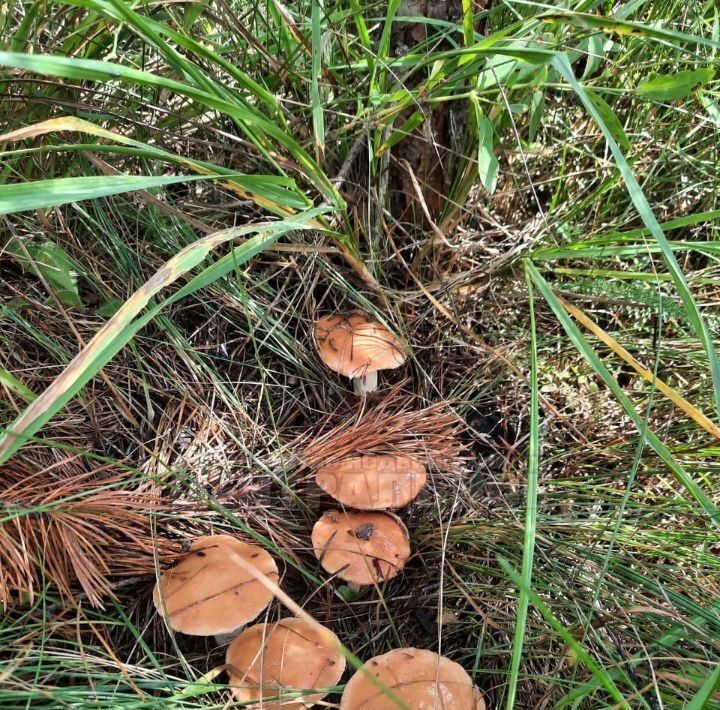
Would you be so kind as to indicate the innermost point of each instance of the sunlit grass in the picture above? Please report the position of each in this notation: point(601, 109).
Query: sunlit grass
point(181, 131)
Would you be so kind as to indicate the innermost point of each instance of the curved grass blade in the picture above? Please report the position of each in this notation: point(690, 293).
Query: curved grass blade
point(530, 508)
point(702, 698)
point(592, 248)
point(7, 379)
point(101, 71)
point(317, 108)
point(562, 64)
point(624, 28)
point(597, 364)
point(673, 395)
point(152, 30)
point(482, 50)
point(120, 329)
point(40, 194)
point(275, 193)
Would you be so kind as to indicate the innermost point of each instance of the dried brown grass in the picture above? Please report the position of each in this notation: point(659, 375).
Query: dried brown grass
point(74, 527)
point(395, 424)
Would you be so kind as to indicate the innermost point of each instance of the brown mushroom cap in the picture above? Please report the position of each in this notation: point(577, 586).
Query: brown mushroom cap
point(373, 482)
point(210, 591)
point(421, 679)
point(353, 345)
point(292, 654)
point(361, 547)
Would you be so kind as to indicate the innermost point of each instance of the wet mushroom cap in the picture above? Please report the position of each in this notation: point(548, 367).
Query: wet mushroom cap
point(421, 679)
point(292, 654)
point(210, 590)
point(361, 547)
point(373, 482)
point(354, 345)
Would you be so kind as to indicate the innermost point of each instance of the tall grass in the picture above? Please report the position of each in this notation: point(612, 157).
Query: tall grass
point(185, 186)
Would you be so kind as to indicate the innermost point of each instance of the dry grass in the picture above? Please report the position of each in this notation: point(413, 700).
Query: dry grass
point(69, 527)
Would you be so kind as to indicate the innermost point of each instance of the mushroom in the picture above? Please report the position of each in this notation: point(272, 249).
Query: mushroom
point(420, 680)
point(211, 591)
point(276, 660)
point(357, 347)
point(362, 548)
point(373, 482)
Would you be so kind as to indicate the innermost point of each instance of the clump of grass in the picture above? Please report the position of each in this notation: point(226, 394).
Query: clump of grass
point(586, 479)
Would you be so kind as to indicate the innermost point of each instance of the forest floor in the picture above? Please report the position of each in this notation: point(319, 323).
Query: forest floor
point(528, 199)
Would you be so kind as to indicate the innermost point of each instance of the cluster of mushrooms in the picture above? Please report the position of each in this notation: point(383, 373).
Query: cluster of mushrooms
point(222, 583)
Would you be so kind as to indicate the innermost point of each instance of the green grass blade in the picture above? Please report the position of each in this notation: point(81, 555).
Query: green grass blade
point(530, 508)
point(582, 655)
point(467, 22)
point(562, 64)
point(40, 194)
point(102, 71)
point(707, 689)
point(315, 100)
point(362, 32)
point(384, 46)
point(276, 193)
point(623, 28)
point(594, 360)
point(594, 248)
point(117, 331)
point(7, 379)
point(153, 30)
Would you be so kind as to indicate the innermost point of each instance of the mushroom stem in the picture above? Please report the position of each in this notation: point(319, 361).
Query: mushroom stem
point(365, 383)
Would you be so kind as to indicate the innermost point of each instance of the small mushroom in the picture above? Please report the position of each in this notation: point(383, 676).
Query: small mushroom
point(373, 482)
point(362, 548)
point(210, 590)
point(422, 680)
point(357, 347)
point(272, 660)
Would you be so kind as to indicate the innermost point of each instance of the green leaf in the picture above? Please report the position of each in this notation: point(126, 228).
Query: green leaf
point(109, 308)
point(40, 194)
point(50, 262)
point(537, 106)
point(594, 54)
point(487, 162)
point(672, 87)
point(712, 107)
point(7, 379)
point(610, 119)
point(192, 12)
